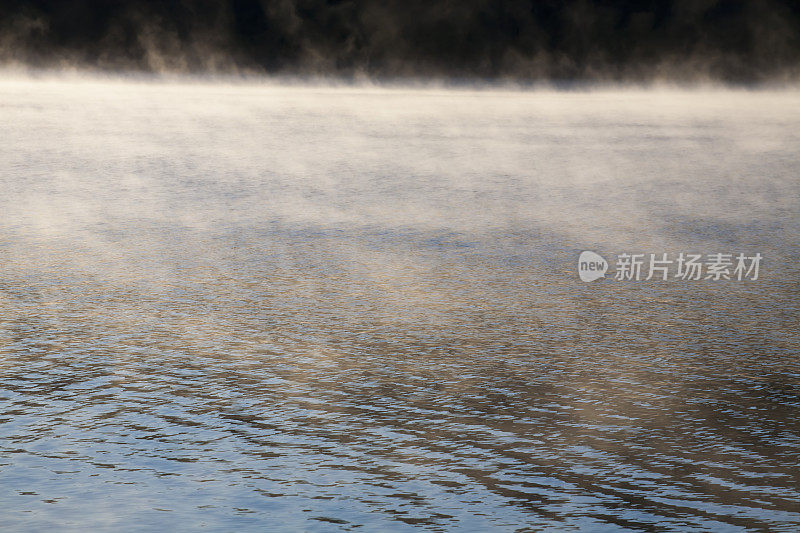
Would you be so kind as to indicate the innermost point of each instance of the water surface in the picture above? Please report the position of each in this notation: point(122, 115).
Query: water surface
point(240, 306)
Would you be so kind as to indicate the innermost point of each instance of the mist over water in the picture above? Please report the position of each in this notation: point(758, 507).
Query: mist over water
point(244, 305)
point(735, 41)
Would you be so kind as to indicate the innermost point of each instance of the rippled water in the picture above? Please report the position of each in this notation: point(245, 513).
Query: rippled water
point(252, 306)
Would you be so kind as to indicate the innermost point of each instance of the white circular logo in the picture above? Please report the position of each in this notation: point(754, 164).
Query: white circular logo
point(591, 266)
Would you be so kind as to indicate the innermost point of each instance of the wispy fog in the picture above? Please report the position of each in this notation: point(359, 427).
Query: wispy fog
point(229, 304)
point(743, 41)
point(86, 158)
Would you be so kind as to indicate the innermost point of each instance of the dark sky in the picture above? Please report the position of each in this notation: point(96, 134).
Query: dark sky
point(729, 40)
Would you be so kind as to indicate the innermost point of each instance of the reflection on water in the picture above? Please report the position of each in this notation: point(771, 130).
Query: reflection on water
point(322, 309)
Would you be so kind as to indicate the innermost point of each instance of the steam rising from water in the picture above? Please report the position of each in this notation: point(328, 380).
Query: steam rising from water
point(742, 41)
point(359, 306)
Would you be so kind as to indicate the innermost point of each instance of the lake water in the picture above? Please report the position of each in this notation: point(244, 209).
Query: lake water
point(255, 306)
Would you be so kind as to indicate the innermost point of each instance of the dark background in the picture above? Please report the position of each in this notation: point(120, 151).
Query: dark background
point(729, 40)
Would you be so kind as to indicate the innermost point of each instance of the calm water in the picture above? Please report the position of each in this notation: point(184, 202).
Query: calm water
point(250, 307)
